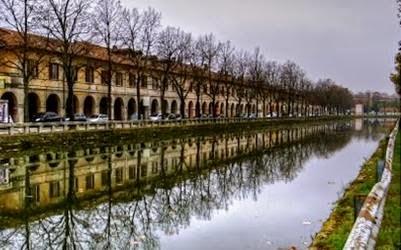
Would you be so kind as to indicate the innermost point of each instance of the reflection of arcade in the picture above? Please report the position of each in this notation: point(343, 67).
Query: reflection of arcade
point(167, 184)
point(138, 163)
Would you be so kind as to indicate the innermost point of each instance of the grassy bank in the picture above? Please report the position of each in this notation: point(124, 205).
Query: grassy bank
point(390, 232)
point(336, 229)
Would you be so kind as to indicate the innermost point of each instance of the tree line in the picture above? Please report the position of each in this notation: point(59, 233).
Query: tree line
point(173, 58)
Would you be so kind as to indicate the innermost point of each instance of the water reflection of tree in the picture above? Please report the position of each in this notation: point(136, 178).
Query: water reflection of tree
point(170, 205)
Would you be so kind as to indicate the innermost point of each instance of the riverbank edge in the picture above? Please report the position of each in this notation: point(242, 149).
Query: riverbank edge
point(335, 230)
point(390, 232)
point(74, 138)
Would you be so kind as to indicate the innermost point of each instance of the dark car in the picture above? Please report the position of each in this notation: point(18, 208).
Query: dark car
point(48, 117)
point(78, 117)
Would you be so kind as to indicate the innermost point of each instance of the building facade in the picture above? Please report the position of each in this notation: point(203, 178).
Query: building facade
point(48, 89)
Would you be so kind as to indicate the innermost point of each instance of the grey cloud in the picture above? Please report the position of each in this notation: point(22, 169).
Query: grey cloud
point(351, 41)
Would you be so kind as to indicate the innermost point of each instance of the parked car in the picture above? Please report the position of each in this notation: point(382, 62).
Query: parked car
point(156, 117)
point(271, 115)
point(171, 117)
point(47, 117)
point(204, 116)
point(78, 117)
point(98, 118)
point(252, 116)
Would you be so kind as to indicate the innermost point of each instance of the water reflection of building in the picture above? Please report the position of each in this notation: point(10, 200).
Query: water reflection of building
point(94, 172)
point(163, 202)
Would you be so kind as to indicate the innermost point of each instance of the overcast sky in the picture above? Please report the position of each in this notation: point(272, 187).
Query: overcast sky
point(350, 41)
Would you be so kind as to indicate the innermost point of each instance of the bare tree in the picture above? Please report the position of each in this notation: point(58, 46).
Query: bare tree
point(107, 23)
point(22, 17)
point(210, 49)
point(169, 46)
point(256, 74)
point(272, 73)
point(240, 70)
point(139, 41)
point(181, 78)
point(226, 69)
point(291, 75)
point(197, 63)
point(68, 24)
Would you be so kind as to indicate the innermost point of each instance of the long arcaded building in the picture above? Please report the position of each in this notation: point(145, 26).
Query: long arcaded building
point(48, 89)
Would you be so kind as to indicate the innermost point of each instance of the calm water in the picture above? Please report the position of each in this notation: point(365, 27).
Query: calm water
point(249, 190)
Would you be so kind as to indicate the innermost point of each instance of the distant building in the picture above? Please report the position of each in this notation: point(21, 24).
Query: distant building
point(359, 109)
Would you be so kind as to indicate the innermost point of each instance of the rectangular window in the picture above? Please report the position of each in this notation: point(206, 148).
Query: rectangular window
point(190, 87)
point(54, 189)
point(54, 71)
point(33, 69)
point(76, 184)
point(132, 81)
point(89, 75)
point(105, 178)
point(76, 73)
point(155, 167)
point(155, 84)
point(205, 88)
point(131, 172)
point(119, 79)
point(119, 175)
point(105, 77)
point(90, 182)
point(144, 170)
point(35, 192)
point(144, 82)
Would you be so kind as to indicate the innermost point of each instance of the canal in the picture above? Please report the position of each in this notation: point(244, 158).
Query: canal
point(263, 189)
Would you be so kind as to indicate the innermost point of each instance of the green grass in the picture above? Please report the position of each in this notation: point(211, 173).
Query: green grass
point(336, 229)
point(390, 232)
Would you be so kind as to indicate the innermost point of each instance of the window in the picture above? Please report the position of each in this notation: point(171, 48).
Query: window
point(119, 175)
point(119, 79)
point(155, 84)
point(132, 80)
point(54, 189)
point(131, 172)
point(155, 167)
point(105, 77)
point(144, 83)
point(54, 71)
point(76, 184)
point(90, 181)
point(76, 72)
point(89, 75)
point(32, 68)
point(105, 178)
point(144, 170)
point(35, 192)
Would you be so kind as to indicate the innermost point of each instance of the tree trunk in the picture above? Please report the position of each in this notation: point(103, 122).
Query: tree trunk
point(138, 96)
point(70, 96)
point(26, 101)
point(182, 107)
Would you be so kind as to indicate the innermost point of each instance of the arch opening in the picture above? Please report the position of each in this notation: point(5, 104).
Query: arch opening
point(89, 106)
point(118, 109)
point(103, 106)
point(53, 104)
point(12, 105)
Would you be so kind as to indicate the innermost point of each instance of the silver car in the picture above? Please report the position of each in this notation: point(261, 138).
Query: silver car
point(98, 118)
